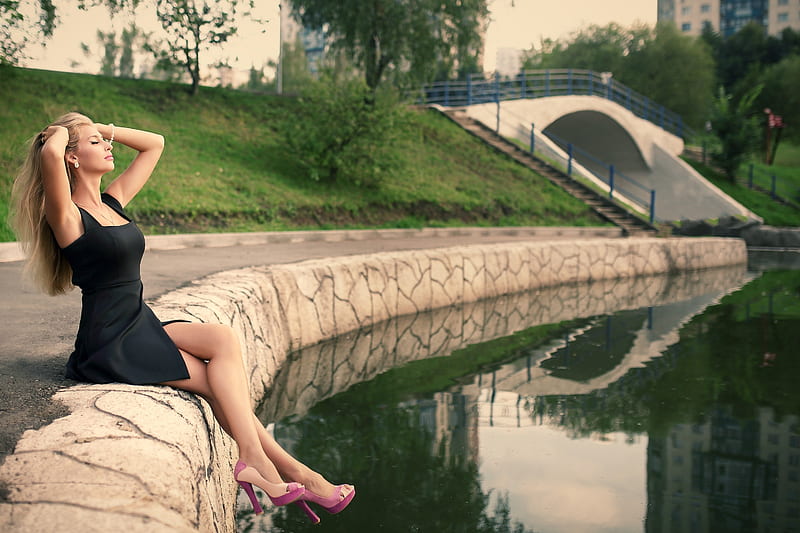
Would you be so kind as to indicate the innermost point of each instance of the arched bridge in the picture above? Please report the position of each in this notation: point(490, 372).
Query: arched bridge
point(598, 128)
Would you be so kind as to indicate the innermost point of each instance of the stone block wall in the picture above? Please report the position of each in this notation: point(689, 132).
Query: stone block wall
point(152, 458)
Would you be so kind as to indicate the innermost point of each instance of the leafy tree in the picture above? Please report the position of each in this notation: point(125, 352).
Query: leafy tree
point(15, 30)
point(192, 27)
point(257, 81)
point(108, 42)
point(340, 130)
point(598, 48)
point(673, 69)
point(741, 57)
point(119, 54)
point(736, 128)
point(133, 38)
point(412, 39)
point(780, 93)
point(294, 64)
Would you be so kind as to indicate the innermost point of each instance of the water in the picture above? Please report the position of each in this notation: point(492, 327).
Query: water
point(661, 404)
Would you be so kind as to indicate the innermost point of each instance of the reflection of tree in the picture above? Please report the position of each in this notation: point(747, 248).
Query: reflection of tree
point(725, 356)
point(401, 485)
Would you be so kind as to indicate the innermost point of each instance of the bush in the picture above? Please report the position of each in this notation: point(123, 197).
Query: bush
point(341, 130)
point(737, 130)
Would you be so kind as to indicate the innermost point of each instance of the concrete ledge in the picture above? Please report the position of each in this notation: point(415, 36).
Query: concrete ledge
point(10, 251)
point(153, 458)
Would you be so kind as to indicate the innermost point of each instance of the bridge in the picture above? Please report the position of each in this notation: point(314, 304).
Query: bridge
point(597, 128)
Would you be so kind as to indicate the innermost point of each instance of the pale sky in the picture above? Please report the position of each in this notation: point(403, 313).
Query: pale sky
point(519, 26)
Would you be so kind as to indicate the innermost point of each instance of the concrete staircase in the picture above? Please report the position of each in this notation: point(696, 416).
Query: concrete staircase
point(630, 223)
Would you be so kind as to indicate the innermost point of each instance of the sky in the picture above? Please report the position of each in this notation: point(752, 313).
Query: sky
point(516, 24)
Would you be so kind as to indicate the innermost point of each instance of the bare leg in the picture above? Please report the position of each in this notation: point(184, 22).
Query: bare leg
point(223, 379)
point(289, 467)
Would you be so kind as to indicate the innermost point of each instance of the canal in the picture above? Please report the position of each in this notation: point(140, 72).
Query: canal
point(657, 404)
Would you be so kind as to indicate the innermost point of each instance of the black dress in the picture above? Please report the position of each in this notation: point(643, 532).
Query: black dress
point(119, 338)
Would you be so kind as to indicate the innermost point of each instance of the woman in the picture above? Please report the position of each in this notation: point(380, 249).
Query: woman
point(74, 234)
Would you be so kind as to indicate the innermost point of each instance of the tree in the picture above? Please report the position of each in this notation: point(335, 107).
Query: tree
point(780, 93)
point(670, 68)
point(108, 42)
point(736, 128)
point(741, 57)
point(673, 69)
point(598, 48)
point(119, 55)
point(294, 67)
point(192, 27)
point(341, 131)
point(15, 30)
point(411, 39)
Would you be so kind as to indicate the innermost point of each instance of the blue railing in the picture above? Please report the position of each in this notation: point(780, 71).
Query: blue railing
point(479, 89)
point(644, 197)
point(565, 153)
point(777, 188)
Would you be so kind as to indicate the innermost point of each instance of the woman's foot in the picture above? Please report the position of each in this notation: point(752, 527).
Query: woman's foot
point(278, 492)
point(332, 498)
point(336, 502)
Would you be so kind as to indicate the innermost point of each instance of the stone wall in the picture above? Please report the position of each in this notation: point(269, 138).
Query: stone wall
point(153, 459)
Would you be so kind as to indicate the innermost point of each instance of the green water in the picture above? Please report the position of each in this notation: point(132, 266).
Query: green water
point(677, 417)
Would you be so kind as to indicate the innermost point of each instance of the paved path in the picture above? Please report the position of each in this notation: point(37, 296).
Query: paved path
point(37, 331)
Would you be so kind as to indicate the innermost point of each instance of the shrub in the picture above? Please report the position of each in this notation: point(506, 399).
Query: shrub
point(341, 132)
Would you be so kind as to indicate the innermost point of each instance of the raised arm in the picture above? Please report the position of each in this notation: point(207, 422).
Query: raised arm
point(149, 145)
point(61, 214)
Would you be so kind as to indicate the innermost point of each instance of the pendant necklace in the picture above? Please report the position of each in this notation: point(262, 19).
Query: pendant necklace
point(102, 215)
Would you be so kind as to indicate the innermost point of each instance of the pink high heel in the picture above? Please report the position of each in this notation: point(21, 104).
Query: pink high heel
point(247, 476)
point(333, 504)
point(309, 513)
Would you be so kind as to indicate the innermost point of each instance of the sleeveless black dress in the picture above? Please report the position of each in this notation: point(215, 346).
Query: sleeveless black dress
point(119, 337)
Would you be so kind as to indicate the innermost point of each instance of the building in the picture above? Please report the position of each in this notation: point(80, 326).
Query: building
point(728, 16)
point(312, 39)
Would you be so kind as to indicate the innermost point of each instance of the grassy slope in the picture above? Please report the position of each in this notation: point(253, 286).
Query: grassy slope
point(786, 168)
point(224, 169)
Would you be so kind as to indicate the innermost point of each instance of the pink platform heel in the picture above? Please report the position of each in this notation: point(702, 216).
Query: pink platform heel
point(309, 513)
point(333, 504)
point(247, 476)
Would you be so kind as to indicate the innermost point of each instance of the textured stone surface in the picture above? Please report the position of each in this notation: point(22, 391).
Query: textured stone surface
point(153, 458)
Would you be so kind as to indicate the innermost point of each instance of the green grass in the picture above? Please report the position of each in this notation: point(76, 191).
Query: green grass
point(224, 168)
point(773, 213)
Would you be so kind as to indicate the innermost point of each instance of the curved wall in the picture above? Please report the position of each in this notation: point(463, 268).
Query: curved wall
point(153, 459)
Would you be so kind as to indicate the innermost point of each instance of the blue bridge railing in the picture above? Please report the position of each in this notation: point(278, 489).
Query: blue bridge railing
point(616, 181)
point(480, 89)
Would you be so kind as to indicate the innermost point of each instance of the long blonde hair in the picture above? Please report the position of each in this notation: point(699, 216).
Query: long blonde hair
point(46, 265)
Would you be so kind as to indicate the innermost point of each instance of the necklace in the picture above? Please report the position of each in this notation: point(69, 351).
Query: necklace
point(101, 213)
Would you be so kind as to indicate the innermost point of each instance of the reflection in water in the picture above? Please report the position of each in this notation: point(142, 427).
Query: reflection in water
point(676, 414)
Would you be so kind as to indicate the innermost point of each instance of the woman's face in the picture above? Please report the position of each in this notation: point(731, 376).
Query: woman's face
point(92, 152)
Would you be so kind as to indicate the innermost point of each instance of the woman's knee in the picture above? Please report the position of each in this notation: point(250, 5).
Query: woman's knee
point(226, 337)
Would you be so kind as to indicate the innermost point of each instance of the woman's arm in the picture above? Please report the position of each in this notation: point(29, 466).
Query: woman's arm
point(61, 214)
point(149, 145)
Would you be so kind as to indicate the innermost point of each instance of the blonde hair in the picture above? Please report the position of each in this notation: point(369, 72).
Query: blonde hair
point(46, 265)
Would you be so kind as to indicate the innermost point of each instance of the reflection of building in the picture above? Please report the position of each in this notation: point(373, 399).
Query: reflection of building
point(728, 16)
point(726, 475)
point(450, 418)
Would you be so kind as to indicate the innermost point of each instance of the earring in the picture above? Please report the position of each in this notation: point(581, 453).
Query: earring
point(76, 164)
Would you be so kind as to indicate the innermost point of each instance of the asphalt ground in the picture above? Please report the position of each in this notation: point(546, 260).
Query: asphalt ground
point(37, 331)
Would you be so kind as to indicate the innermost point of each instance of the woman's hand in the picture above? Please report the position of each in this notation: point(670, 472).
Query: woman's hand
point(55, 131)
point(106, 130)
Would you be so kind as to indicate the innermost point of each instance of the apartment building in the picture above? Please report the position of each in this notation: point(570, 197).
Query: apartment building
point(728, 16)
